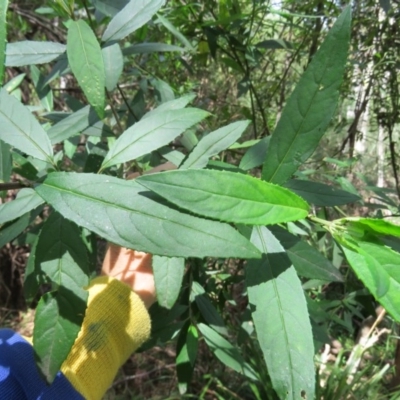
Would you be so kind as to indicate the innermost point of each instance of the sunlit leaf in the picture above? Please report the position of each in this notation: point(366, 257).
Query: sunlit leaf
point(152, 133)
point(213, 143)
point(126, 214)
point(86, 61)
point(227, 196)
point(310, 107)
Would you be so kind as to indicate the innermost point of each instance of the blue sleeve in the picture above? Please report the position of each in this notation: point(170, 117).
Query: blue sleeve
point(19, 377)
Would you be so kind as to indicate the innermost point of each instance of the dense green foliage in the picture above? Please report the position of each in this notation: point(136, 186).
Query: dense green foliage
point(252, 201)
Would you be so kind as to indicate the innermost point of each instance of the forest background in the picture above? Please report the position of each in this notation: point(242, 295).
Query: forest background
point(237, 60)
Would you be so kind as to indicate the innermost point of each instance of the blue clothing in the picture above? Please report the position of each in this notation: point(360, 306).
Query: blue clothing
point(19, 377)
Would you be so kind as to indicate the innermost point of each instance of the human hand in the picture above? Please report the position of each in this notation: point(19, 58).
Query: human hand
point(133, 268)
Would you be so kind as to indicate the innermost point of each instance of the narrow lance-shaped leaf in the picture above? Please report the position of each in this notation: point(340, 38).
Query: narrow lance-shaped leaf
point(168, 275)
point(26, 200)
point(226, 352)
point(377, 266)
point(281, 318)
point(3, 37)
point(134, 15)
point(320, 194)
point(145, 48)
point(126, 214)
point(19, 128)
point(113, 65)
point(227, 196)
point(310, 107)
point(214, 143)
point(28, 52)
point(308, 261)
point(5, 162)
point(86, 61)
point(176, 104)
point(61, 258)
point(152, 133)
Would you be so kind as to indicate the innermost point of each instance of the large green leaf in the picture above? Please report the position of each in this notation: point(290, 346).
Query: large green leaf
point(179, 35)
point(3, 37)
point(28, 52)
point(125, 214)
point(61, 258)
point(214, 143)
point(321, 194)
point(226, 352)
point(281, 318)
point(308, 261)
point(86, 61)
point(113, 64)
point(227, 196)
point(310, 107)
point(377, 266)
point(168, 275)
point(134, 15)
point(152, 133)
point(26, 200)
point(42, 89)
point(19, 128)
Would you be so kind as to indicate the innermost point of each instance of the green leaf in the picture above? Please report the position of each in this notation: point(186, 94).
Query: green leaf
point(281, 318)
point(86, 61)
point(11, 230)
point(73, 124)
point(255, 156)
point(3, 37)
point(125, 214)
point(134, 15)
point(26, 200)
point(113, 65)
point(167, 24)
point(310, 107)
point(28, 52)
point(151, 133)
point(370, 225)
point(164, 92)
point(208, 311)
point(321, 194)
point(186, 352)
point(110, 7)
point(43, 91)
point(13, 84)
point(175, 104)
point(57, 324)
point(227, 196)
point(377, 266)
point(5, 162)
point(308, 262)
point(226, 352)
point(168, 275)
point(146, 48)
point(61, 258)
point(214, 143)
point(20, 129)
